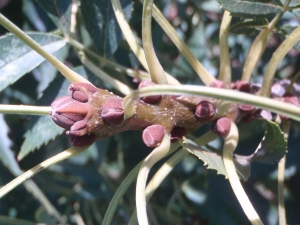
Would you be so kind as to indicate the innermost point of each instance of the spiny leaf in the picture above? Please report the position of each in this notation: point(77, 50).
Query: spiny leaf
point(59, 12)
point(249, 27)
point(249, 8)
point(296, 10)
point(286, 30)
point(273, 145)
point(214, 160)
point(17, 59)
point(102, 25)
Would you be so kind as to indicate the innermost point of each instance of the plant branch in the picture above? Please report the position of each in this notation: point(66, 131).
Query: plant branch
point(281, 169)
point(277, 57)
point(225, 67)
point(66, 72)
point(230, 143)
point(156, 71)
point(286, 109)
point(30, 173)
point(179, 43)
point(25, 109)
point(157, 154)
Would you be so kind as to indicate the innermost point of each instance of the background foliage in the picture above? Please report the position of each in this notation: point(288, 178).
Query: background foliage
point(83, 186)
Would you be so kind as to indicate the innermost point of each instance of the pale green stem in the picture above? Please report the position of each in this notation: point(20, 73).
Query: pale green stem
point(293, 80)
point(121, 87)
point(30, 173)
point(230, 143)
point(277, 57)
point(259, 45)
point(134, 45)
point(113, 204)
point(167, 167)
point(140, 197)
point(156, 71)
point(179, 43)
point(66, 72)
point(286, 109)
point(281, 169)
point(225, 67)
point(25, 109)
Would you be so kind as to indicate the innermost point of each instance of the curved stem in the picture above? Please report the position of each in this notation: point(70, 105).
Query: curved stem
point(281, 169)
point(167, 167)
point(156, 71)
point(179, 43)
point(25, 109)
point(121, 87)
point(230, 144)
point(66, 72)
point(286, 109)
point(157, 154)
point(135, 47)
point(225, 67)
point(259, 45)
point(30, 173)
point(278, 55)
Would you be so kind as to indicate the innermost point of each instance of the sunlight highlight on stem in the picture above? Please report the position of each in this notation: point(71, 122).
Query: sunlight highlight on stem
point(156, 71)
point(66, 72)
point(286, 109)
point(157, 154)
point(225, 64)
point(30, 173)
point(179, 43)
point(230, 143)
point(277, 57)
point(25, 109)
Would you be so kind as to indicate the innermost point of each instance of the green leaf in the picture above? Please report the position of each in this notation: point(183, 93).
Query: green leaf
point(285, 31)
point(102, 25)
point(6, 155)
point(249, 8)
point(273, 145)
point(59, 11)
point(296, 10)
point(17, 59)
point(5, 220)
point(249, 27)
point(214, 160)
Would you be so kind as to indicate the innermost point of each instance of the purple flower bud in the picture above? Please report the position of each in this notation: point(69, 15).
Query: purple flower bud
point(221, 126)
point(66, 111)
point(149, 99)
point(82, 141)
point(153, 135)
point(79, 91)
point(218, 84)
point(112, 111)
point(205, 110)
point(177, 133)
point(242, 86)
point(79, 128)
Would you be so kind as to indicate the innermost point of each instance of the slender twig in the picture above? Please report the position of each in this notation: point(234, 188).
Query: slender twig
point(293, 80)
point(67, 72)
point(30, 173)
point(225, 67)
point(123, 88)
point(259, 45)
point(156, 71)
point(281, 169)
point(278, 55)
point(286, 109)
point(230, 143)
point(25, 109)
point(157, 154)
point(179, 43)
